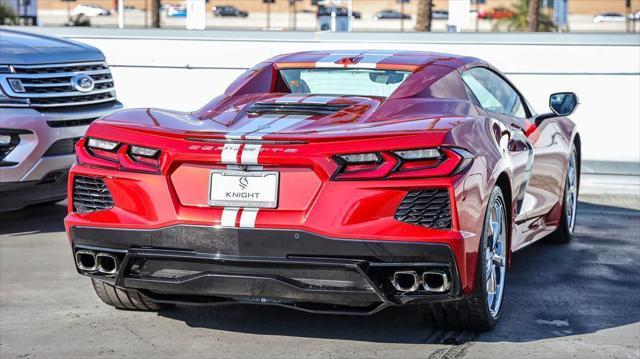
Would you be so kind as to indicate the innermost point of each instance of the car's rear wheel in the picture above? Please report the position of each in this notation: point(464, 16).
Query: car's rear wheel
point(564, 233)
point(124, 299)
point(480, 311)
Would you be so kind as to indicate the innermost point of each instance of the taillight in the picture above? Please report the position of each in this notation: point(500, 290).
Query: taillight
point(95, 143)
point(353, 167)
point(110, 154)
point(419, 163)
point(145, 155)
point(103, 149)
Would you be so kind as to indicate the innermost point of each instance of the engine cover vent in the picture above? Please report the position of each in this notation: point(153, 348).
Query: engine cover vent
point(296, 108)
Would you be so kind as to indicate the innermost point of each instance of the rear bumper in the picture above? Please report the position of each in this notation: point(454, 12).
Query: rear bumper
point(203, 264)
point(17, 195)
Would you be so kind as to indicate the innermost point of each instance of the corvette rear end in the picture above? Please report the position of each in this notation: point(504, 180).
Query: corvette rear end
point(278, 194)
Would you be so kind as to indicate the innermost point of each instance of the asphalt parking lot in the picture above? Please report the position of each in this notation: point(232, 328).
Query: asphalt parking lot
point(579, 300)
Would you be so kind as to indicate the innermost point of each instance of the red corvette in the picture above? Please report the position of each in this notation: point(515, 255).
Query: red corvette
point(337, 182)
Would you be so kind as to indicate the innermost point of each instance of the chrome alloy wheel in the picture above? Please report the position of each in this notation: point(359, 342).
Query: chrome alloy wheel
point(496, 255)
point(571, 192)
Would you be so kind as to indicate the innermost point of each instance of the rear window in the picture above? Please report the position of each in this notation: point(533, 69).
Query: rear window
point(344, 82)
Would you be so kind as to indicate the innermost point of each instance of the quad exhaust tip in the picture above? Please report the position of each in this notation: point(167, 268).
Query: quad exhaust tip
point(106, 263)
point(406, 281)
point(432, 281)
point(89, 261)
point(86, 260)
point(435, 281)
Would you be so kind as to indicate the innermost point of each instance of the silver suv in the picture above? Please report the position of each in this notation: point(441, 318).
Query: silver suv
point(50, 91)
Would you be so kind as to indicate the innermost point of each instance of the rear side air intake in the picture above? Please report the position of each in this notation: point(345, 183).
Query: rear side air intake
point(90, 194)
point(428, 208)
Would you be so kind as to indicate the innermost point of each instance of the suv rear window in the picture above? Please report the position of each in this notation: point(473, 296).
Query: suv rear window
point(344, 82)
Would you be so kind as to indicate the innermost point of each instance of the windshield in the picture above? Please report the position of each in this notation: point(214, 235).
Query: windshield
point(350, 82)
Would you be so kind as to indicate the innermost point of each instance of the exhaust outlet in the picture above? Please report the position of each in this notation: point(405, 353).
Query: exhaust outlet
point(406, 281)
point(106, 263)
point(435, 281)
point(86, 260)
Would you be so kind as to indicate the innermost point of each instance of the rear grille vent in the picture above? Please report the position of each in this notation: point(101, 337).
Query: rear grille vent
point(296, 108)
point(428, 208)
point(90, 194)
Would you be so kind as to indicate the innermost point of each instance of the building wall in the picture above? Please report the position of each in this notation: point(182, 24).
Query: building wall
point(587, 7)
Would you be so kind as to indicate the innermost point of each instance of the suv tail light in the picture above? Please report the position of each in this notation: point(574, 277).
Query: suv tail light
point(405, 164)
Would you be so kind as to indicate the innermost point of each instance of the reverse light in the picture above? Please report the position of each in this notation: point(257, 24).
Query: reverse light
point(422, 154)
point(102, 144)
point(144, 151)
point(360, 158)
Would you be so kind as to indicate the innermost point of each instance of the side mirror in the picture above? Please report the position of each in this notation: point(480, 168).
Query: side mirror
point(563, 103)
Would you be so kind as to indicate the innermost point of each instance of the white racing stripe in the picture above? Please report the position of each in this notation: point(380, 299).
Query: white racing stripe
point(251, 126)
point(255, 130)
point(230, 153)
point(322, 100)
point(229, 215)
point(330, 60)
point(248, 217)
point(278, 125)
point(250, 154)
point(289, 98)
point(368, 60)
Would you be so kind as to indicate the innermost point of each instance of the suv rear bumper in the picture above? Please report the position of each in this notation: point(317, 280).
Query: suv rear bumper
point(306, 271)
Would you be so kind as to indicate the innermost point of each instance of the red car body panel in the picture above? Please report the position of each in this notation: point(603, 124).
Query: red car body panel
point(431, 109)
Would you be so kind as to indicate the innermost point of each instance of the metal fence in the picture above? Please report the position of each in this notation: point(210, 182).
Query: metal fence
point(367, 15)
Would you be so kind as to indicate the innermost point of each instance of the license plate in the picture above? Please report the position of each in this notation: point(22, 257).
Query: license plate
point(228, 188)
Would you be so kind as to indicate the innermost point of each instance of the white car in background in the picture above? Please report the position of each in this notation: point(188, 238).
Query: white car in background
point(177, 10)
point(609, 17)
point(90, 10)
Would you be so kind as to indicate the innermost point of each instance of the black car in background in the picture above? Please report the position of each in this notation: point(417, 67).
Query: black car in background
point(340, 11)
point(440, 15)
point(228, 10)
point(390, 14)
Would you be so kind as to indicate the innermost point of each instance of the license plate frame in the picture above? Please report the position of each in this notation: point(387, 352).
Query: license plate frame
point(257, 180)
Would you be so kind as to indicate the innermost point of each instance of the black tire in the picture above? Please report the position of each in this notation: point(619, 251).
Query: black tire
point(123, 298)
point(564, 233)
point(471, 313)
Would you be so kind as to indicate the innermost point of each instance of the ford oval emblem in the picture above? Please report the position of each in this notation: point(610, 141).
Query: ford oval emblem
point(82, 83)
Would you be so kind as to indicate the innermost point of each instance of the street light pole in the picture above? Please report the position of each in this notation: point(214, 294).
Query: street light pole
point(120, 14)
point(349, 14)
point(477, 18)
point(402, 15)
point(628, 15)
